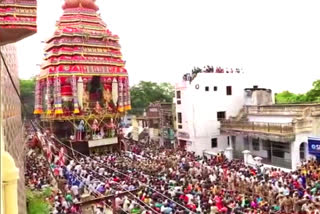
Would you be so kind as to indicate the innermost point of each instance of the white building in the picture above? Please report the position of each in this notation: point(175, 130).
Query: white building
point(278, 133)
point(215, 111)
point(201, 104)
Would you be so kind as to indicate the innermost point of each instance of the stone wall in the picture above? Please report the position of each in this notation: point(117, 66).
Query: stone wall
point(11, 118)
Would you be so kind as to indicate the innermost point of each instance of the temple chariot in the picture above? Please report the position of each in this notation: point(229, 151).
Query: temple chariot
point(82, 91)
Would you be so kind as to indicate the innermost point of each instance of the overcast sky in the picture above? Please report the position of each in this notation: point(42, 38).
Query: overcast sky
point(277, 43)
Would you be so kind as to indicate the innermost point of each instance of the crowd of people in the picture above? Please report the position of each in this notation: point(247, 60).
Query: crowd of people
point(175, 181)
point(216, 185)
point(39, 175)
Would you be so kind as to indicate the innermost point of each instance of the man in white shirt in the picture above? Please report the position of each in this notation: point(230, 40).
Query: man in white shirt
point(118, 202)
point(98, 210)
point(101, 171)
point(75, 190)
point(78, 168)
point(126, 204)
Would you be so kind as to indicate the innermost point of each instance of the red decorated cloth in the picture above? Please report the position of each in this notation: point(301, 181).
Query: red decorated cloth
point(17, 20)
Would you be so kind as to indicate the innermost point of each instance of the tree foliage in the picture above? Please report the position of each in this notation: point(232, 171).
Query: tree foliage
point(312, 95)
point(37, 202)
point(146, 92)
point(27, 88)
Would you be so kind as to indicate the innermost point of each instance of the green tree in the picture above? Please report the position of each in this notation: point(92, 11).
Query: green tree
point(36, 201)
point(312, 95)
point(286, 97)
point(146, 92)
point(27, 88)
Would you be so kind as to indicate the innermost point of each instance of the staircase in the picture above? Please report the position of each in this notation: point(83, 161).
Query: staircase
point(241, 116)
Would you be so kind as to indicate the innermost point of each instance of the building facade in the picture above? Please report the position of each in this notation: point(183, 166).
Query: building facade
point(215, 113)
point(201, 103)
point(276, 133)
point(11, 124)
point(158, 118)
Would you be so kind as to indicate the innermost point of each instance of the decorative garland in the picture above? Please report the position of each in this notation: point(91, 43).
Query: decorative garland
point(38, 99)
point(75, 95)
point(127, 102)
point(49, 106)
point(83, 47)
point(58, 99)
point(120, 95)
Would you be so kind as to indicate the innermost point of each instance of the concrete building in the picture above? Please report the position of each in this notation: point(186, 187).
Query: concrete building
point(158, 118)
point(276, 133)
point(215, 112)
point(202, 101)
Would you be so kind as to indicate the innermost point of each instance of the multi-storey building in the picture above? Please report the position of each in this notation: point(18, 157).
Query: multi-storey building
point(159, 119)
point(202, 101)
point(277, 133)
point(215, 113)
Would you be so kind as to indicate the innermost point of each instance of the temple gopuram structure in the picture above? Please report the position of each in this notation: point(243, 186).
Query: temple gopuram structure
point(82, 90)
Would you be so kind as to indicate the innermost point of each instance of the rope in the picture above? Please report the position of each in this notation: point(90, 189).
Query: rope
point(148, 186)
point(88, 189)
point(107, 178)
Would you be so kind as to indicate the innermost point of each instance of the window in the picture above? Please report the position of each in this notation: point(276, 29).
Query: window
point(215, 88)
point(207, 88)
point(280, 149)
point(229, 90)
point(246, 143)
point(221, 115)
point(266, 145)
point(214, 143)
point(178, 94)
point(179, 117)
point(178, 102)
point(302, 151)
point(180, 127)
point(255, 144)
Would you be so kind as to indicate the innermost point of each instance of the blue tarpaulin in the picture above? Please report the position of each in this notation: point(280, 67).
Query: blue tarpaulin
point(314, 146)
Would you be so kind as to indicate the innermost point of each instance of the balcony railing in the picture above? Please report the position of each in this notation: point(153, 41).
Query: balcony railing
point(283, 109)
point(258, 127)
